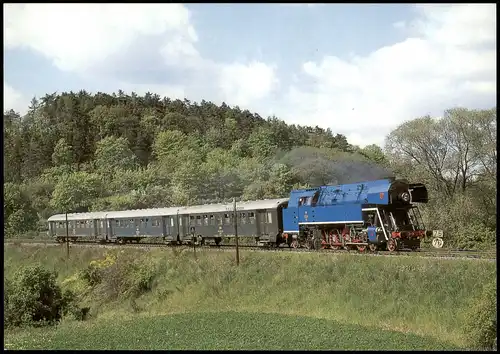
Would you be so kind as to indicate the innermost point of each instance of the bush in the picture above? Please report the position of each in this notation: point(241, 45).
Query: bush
point(34, 298)
point(94, 272)
point(481, 322)
point(119, 275)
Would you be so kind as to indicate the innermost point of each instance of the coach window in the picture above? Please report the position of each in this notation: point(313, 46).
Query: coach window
point(269, 217)
point(243, 218)
point(227, 219)
point(198, 219)
point(212, 220)
point(191, 220)
point(251, 217)
point(219, 219)
point(205, 219)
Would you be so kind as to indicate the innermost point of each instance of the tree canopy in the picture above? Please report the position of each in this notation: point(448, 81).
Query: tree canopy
point(101, 151)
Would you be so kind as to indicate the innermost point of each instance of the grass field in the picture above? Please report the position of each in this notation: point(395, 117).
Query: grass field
point(272, 301)
point(224, 331)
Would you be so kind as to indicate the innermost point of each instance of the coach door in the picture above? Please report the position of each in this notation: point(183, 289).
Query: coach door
point(95, 228)
point(184, 226)
point(261, 222)
point(165, 224)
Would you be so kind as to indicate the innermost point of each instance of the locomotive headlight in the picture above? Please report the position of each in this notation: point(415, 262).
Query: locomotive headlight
point(405, 197)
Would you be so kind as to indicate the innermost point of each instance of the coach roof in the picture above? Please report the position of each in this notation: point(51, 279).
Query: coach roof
point(195, 209)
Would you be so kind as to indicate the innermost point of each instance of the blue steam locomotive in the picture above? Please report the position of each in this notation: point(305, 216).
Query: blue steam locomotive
point(376, 214)
point(381, 214)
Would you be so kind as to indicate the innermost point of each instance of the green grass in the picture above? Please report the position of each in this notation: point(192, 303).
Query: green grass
point(230, 330)
point(422, 296)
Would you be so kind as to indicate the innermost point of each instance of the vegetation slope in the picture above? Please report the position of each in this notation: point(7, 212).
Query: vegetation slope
point(333, 301)
point(81, 151)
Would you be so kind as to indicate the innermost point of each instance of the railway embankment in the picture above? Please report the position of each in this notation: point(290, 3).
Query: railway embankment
point(430, 298)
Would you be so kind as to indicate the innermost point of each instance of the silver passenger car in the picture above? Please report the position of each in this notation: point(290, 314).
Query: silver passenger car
point(260, 219)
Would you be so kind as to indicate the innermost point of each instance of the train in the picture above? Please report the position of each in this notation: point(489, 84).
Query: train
point(372, 215)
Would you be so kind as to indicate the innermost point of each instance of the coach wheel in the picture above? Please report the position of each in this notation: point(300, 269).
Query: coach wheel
point(373, 247)
point(392, 245)
point(437, 242)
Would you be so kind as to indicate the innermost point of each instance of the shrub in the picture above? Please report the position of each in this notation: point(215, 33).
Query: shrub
point(94, 272)
point(481, 320)
point(120, 275)
point(34, 298)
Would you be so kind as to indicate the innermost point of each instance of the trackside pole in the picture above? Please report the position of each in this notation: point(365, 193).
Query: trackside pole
point(236, 232)
point(67, 237)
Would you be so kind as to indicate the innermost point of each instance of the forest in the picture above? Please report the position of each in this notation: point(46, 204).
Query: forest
point(82, 151)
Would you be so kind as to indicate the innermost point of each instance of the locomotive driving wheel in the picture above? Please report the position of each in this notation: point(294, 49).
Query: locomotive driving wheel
point(373, 247)
point(334, 238)
point(361, 248)
point(392, 245)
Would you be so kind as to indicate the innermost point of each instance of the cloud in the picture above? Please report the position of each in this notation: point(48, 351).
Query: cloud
point(13, 99)
point(242, 84)
point(135, 47)
point(78, 37)
point(449, 60)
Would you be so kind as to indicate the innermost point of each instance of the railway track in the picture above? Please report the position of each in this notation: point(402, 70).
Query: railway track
point(432, 253)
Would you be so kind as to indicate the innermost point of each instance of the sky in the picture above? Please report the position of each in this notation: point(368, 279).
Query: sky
point(358, 69)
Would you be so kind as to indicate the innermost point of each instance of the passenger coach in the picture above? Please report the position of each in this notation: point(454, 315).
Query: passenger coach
point(261, 220)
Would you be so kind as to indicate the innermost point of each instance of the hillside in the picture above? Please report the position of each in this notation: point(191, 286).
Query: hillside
point(125, 151)
point(322, 301)
point(82, 151)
